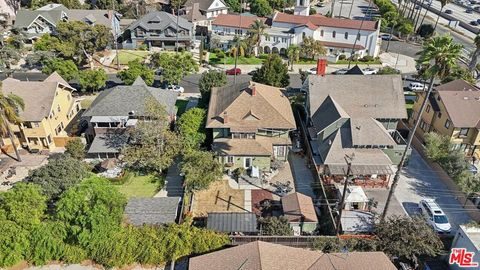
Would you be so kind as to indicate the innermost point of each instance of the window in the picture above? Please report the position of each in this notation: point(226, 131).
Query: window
point(36, 124)
point(463, 132)
point(230, 159)
point(321, 33)
point(439, 115)
point(58, 108)
point(304, 35)
point(275, 39)
point(428, 108)
point(284, 40)
point(267, 38)
point(334, 34)
point(49, 139)
point(358, 36)
point(447, 124)
point(423, 125)
point(346, 35)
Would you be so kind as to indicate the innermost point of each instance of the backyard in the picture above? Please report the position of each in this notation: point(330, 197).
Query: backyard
point(216, 199)
point(125, 56)
point(137, 185)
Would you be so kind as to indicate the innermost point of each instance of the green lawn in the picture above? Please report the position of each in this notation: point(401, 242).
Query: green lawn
point(345, 62)
point(181, 106)
point(228, 60)
point(125, 56)
point(141, 185)
point(409, 104)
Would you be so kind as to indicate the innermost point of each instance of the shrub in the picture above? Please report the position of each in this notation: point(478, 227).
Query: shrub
point(342, 57)
point(238, 172)
point(221, 54)
point(367, 58)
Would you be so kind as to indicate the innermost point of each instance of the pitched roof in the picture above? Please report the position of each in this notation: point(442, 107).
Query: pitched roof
point(194, 14)
point(267, 256)
point(236, 20)
point(121, 100)
point(25, 18)
point(38, 96)
point(250, 105)
point(92, 16)
point(239, 147)
point(354, 194)
point(159, 20)
point(297, 205)
point(152, 211)
point(320, 20)
point(232, 222)
point(355, 70)
point(368, 131)
point(203, 4)
point(462, 102)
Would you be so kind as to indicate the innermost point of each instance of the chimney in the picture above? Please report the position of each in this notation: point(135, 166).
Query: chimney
point(225, 117)
point(321, 66)
point(254, 91)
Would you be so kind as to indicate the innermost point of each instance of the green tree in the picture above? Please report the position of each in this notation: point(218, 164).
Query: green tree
point(407, 238)
point(257, 30)
point(275, 226)
point(473, 62)
point(293, 54)
point(208, 80)
point(459, 73)
point(24, 205)
point(260, 8)
point(65, 68)
point(47, 243)
point(103, 4)
point(75, 148)
point(311, 48)
point(13, 243)
point(136, 69)
point(174, 66)
point(59, 174)
point(191, 126)
point(92, 80)
point(272, 72)
point(201, 168)
point(152, 146)
point(46, 42)
point(387, 70)
point(437, 146)
point(234, 5)
point(443, 3)
point(10, 106)
point(8, 56)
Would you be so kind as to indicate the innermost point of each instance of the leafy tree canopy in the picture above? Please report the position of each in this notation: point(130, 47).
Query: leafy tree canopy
point(272, 72)
point(260, 8)
point(92, 80)
point(75, 148)
point(174, 66)
point(136, 69)
point(201, 168)
point(387, 70)
point(275, 226)
point(191, 126)
point(14, 243)
point(208, 80)
point(65, 68)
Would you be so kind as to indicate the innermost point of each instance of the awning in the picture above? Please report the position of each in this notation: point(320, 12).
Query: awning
point(360, 169)
point(108, 119)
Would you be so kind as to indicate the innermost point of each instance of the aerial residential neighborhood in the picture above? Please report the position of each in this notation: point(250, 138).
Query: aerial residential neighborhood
point(230, 134)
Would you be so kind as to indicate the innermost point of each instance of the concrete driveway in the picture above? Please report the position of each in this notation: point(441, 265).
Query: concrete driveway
point(419, 181)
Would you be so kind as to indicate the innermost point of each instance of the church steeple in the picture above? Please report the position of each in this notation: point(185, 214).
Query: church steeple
point(302, 8)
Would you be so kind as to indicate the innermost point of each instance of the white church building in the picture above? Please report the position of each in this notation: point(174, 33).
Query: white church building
point(338, 36)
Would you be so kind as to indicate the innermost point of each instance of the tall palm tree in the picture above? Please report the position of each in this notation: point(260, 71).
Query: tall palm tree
point(9, 107)
point(293, 54)
point(473, 63)
point(257, 30)
point(439, 54)
point(443, 3)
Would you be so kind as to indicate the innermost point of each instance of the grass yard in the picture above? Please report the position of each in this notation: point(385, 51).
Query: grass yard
point(125, 56)
point(409, 101)
point(228, 60)
point(141, 185)
point(206, 201)
point(181, 106)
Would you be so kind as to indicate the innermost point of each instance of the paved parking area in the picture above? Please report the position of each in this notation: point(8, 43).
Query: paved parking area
point(353, 9)
point(419, 181)
point(302, 175)
point(380, 196)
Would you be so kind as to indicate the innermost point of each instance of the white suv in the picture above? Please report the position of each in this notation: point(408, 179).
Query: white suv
point(434, 216)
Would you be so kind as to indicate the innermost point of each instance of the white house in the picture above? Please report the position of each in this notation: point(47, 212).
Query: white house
point(202, 12)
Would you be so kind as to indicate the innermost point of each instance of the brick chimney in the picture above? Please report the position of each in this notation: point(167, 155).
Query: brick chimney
point(321, 66)
point(225, 117)
point(254, 91)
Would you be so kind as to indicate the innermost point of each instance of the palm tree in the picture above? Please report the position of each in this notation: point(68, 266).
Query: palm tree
point(443, 3)
point(439, 54)
point(473, 63)
point(293, 54)
point(9, 108)
point(257, 30)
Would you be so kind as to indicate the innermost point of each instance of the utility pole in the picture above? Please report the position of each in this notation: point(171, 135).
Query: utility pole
point(342, 202)
point(115, 37)
point(358, 34)
point(237, 51)
point(178, 15)
point(396, 178)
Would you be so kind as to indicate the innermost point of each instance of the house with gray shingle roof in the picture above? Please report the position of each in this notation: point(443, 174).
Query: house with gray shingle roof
point(44, 20)
point(116, 109)
point(355, 116)
point(159, 29)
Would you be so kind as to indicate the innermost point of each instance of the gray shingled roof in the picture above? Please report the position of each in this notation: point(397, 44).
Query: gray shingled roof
point(121, 100)
point(232, 222)
point(152, 211)
point(162, 20)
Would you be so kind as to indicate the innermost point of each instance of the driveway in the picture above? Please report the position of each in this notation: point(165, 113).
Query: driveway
point(419, 181)
point(302, 175)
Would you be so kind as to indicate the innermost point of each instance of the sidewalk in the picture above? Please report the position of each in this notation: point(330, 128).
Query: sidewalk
point(173, 182)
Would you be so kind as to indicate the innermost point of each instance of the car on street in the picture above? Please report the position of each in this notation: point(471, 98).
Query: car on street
point(341, 71)
point(478, 21)
point(474, 23)
point(369, 71)
point(435, 216)
point(176, 88)
point(469, 11)
point(233, 71)
point(386, 37)
point(416, 86)
point(448, 11)
point(312, 71)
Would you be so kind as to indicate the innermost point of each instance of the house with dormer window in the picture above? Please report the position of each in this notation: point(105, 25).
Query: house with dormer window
point(250, 123)
point(159, 29)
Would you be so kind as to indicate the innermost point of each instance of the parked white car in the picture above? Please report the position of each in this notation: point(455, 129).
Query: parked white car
point(176, 88)
point(341, 71)
point(312, 71)
point(434, 216)
point(370, 71)
point(416, 86)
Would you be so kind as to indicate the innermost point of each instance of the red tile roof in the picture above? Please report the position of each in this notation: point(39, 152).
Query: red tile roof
point(320, 20)
point(233, 20)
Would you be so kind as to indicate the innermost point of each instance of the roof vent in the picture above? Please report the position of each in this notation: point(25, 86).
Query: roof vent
point(465, 98)
point(366, 105)
point(329, 142)
point(358, 127)
point(131, 113)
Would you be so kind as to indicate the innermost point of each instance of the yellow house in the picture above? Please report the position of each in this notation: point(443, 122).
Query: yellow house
point(49, 109)
point(453, 110)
